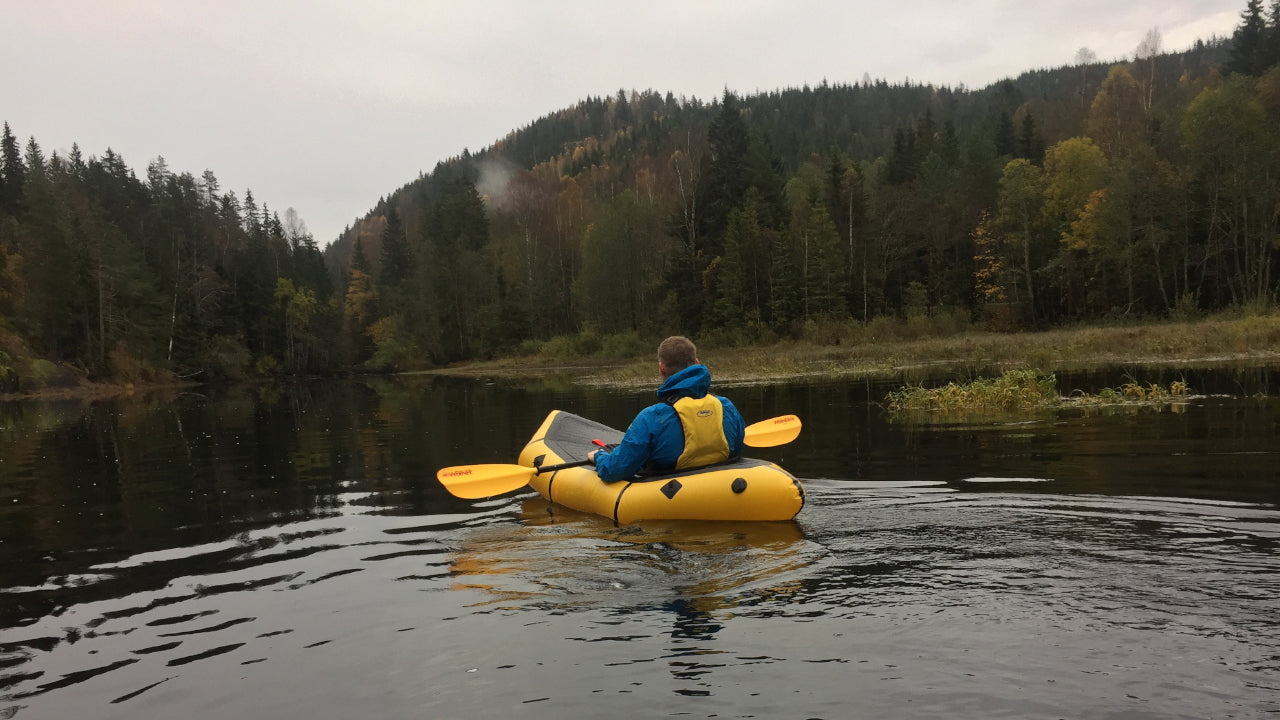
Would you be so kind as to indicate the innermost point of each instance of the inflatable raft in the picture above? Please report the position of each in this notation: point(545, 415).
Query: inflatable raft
point(742, 489)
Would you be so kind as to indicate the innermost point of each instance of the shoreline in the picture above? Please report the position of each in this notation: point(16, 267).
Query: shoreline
point(1218, 341)
point(1247, 341)
point(625, 376)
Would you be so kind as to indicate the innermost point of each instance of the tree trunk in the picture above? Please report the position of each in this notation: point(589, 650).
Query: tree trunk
point(1026, 267)
point(102, 324)
point(173, 318)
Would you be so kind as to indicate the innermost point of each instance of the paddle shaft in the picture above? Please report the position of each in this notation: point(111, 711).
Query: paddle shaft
point(539, 469)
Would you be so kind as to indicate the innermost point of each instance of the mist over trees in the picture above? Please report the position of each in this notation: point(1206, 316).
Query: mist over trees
point(1145, 187)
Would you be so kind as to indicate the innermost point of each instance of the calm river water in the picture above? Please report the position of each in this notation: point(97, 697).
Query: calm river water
point(287, 553)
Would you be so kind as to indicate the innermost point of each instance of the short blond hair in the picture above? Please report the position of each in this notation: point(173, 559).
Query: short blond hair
point(677, 353)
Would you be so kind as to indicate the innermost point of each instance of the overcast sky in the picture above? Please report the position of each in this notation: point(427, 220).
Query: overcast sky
point(325, 106)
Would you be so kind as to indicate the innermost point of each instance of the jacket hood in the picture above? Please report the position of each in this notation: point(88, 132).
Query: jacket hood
point(693, 381)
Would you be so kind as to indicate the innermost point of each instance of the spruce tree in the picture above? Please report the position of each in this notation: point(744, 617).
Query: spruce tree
point(252, 224)
point(786, 302)
point(766, 181)
point(359, 261)
point(1006, 137)
point(722, 187)
point(821, 271)
point(12, 172)
point(926, 131)
point(396, 260)
point(35, 158)
point(1030, 145)
point(1249, 43)
point(902, 158)
point(1271, 52)
point(731, 289)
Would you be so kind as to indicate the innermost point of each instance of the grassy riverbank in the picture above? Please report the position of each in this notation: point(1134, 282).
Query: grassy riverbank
point(881, 349)
point(896, 349)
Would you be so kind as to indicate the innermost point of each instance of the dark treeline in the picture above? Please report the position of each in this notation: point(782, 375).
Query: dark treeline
point(148, 279)
point(1145, 188)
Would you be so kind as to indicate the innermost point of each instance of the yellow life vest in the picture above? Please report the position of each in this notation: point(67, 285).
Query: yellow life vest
point(702, 420)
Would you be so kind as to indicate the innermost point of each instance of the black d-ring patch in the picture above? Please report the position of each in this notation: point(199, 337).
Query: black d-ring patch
point(739, 485)
point(671, 488)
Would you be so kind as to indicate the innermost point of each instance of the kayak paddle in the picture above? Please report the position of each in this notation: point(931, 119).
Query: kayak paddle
point(481, 481)
point(773, 432)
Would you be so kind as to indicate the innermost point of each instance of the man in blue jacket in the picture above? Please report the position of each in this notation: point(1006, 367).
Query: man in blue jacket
point(689, 428)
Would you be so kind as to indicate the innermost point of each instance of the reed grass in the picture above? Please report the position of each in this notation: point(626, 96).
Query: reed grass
point(1013, 390)
point(1025, 389)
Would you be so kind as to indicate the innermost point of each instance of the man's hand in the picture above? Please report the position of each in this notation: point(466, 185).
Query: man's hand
point(603, 449)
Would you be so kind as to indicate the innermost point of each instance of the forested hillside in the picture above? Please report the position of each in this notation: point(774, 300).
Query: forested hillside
point(1147, 187)
point(1076, 194)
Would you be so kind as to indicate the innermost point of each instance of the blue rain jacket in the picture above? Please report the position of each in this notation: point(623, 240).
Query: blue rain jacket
point(655, 439)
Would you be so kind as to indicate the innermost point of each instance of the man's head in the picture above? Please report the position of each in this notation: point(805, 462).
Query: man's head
point(675, 354)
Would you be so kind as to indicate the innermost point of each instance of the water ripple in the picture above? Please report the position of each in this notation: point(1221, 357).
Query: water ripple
point(849, 591)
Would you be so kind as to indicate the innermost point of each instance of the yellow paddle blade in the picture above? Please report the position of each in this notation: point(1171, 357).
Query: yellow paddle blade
point(481, 481)
point(774, 431)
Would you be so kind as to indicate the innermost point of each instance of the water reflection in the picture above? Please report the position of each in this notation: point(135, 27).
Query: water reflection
point(690, 578)
point(555, 555)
